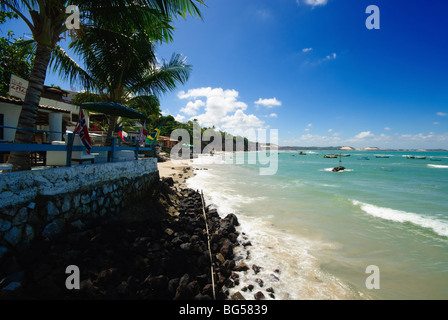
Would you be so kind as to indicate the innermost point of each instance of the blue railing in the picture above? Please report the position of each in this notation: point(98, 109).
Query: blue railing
point(69, 147)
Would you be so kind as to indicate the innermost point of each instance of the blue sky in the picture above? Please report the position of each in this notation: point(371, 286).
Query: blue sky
point(312, 70)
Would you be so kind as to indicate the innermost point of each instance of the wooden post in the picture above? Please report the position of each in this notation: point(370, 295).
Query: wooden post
point(112, 156)
point(70, 138)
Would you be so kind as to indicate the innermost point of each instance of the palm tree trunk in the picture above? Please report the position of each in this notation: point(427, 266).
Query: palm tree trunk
point(20, 159)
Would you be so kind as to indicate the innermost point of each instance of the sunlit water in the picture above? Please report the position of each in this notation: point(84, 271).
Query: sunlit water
point(314, 232)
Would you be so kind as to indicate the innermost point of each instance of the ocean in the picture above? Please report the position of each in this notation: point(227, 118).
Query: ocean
point(315, 233)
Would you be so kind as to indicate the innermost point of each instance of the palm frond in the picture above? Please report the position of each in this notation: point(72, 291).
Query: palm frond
point(68, 69)
point(20, 7)
point(164, 78)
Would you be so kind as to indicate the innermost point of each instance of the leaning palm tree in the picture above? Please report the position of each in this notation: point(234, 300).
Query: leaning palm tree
point(46, 21)
point(122, 68)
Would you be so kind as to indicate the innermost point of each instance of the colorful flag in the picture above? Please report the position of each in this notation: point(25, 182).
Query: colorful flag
point(153, 136)
point(142, 137)
point(122, 134)
point(83, 131)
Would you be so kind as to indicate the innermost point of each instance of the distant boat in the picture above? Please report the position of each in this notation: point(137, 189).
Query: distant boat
point(416, 157)
point(302, 154)
point(331, 156)
point(345, 155)
point(382, 156)
point(363, 158)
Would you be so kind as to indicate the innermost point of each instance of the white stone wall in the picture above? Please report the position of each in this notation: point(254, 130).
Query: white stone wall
point(44, 201)
point(19, 187)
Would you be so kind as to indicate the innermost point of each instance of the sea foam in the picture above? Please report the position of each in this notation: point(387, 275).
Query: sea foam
point(440, 166)
point(438, 226)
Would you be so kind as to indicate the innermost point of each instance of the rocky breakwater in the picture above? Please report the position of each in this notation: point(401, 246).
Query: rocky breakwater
point(158, 249)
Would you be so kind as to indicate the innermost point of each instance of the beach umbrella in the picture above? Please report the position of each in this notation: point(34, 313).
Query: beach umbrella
point(113, 109)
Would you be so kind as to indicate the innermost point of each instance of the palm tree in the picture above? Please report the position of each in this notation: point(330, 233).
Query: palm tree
point(46, 21)
point(122, 68)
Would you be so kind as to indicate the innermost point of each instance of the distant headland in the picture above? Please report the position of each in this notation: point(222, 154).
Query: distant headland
point(347, 148)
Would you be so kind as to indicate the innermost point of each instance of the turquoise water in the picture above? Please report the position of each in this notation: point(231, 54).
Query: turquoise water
point(322, 229)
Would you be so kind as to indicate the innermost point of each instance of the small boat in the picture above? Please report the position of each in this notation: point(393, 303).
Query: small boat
point(331, 156)
point(382, 156)
point(363, 158)
point(345, 155)
point(416, 157)
point(302, 154)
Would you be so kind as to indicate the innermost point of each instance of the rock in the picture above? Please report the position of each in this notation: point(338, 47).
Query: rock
point(52, 210)
point(185, 246)
point(226, 249)
point(241, 267)
point(78, 224)
point(260, 282)
point(232, 219)
point(13, 236)
point(256, 268)
point(21, 217)
point(169, 231)
point(259, 296)
point(270, 289)
point(337, 169)
point(237, 296)
point(172, 285)
point(108, 277)
point(4, 225)
point(53, 230)
point(168, 180)
point(208, 289)
point(201, 296)
point(220, 257)
point(246, 243)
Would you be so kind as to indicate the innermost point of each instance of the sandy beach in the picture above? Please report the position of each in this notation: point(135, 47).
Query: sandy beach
point(179, 170)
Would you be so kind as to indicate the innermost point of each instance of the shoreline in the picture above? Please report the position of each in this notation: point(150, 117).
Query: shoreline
point(248, 278)
point(156, 250)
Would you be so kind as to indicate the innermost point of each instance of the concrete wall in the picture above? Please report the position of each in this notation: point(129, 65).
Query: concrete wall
point(11, 118)
point(43, 202)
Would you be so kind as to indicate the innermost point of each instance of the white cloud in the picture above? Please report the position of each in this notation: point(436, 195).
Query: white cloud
point(305, 50)
point(192, 107)
point(364, 135)
point(436, 123)
point(387, 128)
point(317, 62)
point(240, 122)
point(179, 118)
point(273, 115)
point(313, 3)
point(330, 130)
point(368, 139)
point(268, 103)
point(442, 114)
point(330, 57)
point(222, 109)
